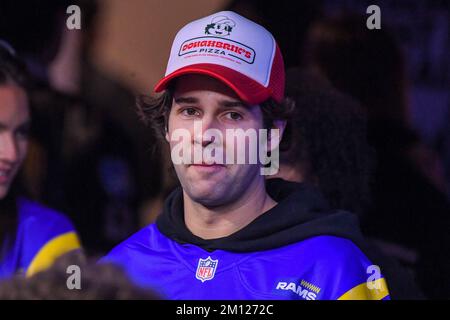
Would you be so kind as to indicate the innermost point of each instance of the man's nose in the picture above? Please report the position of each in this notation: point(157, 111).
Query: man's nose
point(201, 127)
point(8, 148)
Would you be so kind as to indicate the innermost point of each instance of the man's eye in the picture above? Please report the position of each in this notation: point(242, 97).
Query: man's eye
point(190, 112)
point(233, 116)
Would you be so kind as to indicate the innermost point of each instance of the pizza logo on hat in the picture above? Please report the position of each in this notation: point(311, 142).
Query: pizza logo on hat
point(220, 26)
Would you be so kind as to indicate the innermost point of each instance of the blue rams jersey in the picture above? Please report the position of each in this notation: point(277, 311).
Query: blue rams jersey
point(317, 268)
point(42, 235)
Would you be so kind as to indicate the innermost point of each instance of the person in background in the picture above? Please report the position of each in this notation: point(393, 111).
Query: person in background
point(409, 216)
point(31, 235)
point(59, 282)
point(331, 152)
point(331, 149)
point(82, 160)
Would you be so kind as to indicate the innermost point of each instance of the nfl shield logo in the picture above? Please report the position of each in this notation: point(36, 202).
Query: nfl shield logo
point(206, 269)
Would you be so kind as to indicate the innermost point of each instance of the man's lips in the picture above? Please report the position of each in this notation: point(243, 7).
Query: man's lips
point(208, 165)
point(208, 168)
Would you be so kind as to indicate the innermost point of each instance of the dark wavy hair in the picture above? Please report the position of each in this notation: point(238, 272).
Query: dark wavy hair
point(330, 132)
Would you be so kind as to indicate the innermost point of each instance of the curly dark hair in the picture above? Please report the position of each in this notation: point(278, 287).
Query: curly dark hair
point(329, 129)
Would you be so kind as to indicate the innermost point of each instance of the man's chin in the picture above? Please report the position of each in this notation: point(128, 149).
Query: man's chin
point(208, 196)
point(210, 202)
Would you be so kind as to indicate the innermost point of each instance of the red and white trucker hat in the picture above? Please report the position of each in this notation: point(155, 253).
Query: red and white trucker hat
point(232, 49)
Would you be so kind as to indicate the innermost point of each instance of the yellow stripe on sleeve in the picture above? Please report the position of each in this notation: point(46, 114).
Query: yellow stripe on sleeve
point(362, 292)
point(53, 249)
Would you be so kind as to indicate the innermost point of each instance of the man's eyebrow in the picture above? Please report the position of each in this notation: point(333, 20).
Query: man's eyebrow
point(232, 104)
point(223, 103)
point(186, 100)
point(3, 126)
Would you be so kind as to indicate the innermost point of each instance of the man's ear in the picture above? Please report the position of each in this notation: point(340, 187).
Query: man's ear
point(273, 139)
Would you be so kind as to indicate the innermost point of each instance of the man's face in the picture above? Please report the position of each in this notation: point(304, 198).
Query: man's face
point(14, 124)
point(199, 98)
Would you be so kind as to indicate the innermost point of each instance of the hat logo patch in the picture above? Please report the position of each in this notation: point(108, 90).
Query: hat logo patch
point(220, 26)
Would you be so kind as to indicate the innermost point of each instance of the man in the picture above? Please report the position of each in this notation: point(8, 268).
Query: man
point(226, 233)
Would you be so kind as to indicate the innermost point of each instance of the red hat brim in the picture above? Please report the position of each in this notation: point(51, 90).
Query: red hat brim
point(247, 89)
